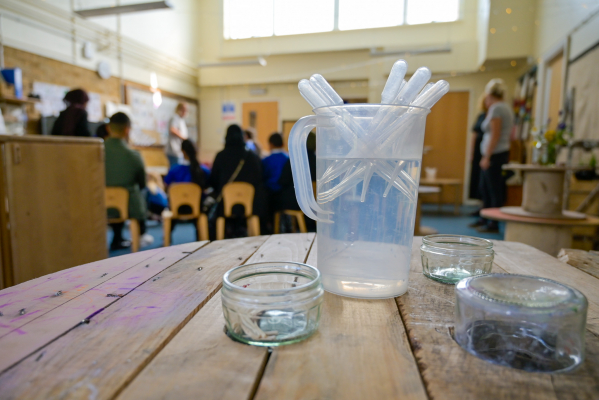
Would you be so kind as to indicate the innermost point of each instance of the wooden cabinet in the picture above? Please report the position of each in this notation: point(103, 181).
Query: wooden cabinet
point(52, 205)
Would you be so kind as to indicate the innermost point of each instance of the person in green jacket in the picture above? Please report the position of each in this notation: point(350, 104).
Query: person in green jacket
point(125, 168)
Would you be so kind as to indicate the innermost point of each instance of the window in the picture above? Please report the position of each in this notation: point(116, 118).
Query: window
point(293, 17)
point(260, 18)
point(426, 11)
point(360, 14)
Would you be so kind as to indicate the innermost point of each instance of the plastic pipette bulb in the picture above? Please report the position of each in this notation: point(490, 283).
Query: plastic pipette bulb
point(411, 89)
point(394, 82)
point(325, 90)
point(310, 95)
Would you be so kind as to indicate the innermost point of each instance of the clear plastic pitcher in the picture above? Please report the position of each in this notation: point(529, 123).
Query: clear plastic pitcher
point(368, 159)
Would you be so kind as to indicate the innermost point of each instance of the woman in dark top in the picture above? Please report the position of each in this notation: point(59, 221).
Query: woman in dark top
point(73, 120)
point(224, 166)
point(476, 156)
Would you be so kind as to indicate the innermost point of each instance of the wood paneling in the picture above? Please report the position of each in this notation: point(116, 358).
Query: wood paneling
point(41, 69)
point(265, 120)
point(55, 215)
point(446, 134)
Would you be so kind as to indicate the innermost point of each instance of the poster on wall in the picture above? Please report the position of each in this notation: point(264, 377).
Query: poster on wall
point(150, 123)
point(51, 103)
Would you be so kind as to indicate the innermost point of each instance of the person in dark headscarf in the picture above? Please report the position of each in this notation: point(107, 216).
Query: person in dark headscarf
point(73, 120)
point(225, 164)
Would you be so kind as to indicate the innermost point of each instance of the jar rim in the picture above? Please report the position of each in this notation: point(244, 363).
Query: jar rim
point(313, 272)
point(574, 296)
point(457, 242)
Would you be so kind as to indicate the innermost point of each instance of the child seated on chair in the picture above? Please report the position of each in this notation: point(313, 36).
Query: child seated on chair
point(272, 166)
point(189, 170)
point(125, 168)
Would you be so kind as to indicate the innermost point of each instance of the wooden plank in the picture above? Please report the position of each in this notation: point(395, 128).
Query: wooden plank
point(519, 258)
point(38, 296)
point(451, 373)
point(361, 351)
point(201, 358)
point(99, 358)
point(583, 260)
point(50, 232)
point(40, 331)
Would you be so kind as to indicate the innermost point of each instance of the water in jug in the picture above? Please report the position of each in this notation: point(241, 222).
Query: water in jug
point(368, 159)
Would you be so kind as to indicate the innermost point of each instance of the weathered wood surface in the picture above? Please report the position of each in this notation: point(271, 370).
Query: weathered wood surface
point(519, 258)
point(101, 357)
point(359, 352)
point(82, 305)
point(201, 358)
point(38, 296)
point(164, 338)
point(587, 261)
point(451, 373)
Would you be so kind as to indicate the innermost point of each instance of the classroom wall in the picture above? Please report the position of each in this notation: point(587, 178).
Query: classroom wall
point(150, 42)
point(341, 55)
point(42, 69)
point(556, 18)
point(292, 106)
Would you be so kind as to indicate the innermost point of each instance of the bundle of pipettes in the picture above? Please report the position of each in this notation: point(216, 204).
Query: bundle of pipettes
point(378, 134)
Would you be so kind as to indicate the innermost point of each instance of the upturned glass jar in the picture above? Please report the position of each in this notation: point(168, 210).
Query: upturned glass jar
point(524, 322)
point(450, 258)
point(272, 303)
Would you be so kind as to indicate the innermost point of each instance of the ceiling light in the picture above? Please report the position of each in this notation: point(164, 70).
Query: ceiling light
point(256, 61)
point(427, 50)
point(129, 8)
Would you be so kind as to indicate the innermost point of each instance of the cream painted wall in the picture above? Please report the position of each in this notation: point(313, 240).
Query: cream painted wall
point(292, 106)
point(556, 18)
point(341, 54)
point(511, 28)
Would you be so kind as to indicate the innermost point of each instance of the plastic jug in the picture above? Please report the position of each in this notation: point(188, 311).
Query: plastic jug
point(368, 159)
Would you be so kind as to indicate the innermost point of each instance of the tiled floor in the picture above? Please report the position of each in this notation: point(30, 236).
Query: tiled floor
point(444, 222)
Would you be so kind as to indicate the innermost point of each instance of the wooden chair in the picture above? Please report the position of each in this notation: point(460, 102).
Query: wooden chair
point(297, 217)
point(118, 198)
point(238, 193)
point(184, 194)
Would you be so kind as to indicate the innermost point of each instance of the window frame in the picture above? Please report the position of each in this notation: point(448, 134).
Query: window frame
point(336, 22)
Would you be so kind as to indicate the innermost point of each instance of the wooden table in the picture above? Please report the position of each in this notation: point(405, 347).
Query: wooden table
point(546, 234)
point(149, 326)
point(441, 183)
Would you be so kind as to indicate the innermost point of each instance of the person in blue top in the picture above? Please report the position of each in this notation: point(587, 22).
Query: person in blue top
point(189, 170)
point(272, 166)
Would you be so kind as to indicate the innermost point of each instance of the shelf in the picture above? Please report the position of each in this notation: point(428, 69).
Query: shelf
point(14, 100)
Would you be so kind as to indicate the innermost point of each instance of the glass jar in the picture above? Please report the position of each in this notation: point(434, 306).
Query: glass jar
point(272, 303)
point(450, 258)
point(523, 322)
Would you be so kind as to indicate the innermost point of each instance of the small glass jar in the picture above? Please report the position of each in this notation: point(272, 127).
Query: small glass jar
point(524, 322)
point(450, 258)
point(272, 303)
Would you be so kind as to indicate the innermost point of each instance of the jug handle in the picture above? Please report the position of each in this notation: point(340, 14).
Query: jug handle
point(300, 167)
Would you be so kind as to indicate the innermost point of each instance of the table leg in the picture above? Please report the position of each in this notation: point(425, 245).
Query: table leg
point(547, 238)
point(458, 200)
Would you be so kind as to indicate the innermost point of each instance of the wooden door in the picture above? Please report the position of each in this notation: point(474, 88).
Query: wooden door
point(263, 117)
point(446, 135)
point(56, 210)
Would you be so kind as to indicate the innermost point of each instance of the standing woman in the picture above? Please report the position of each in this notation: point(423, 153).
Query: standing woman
point(495, 150)
point(73, 120)
point(477, 138)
